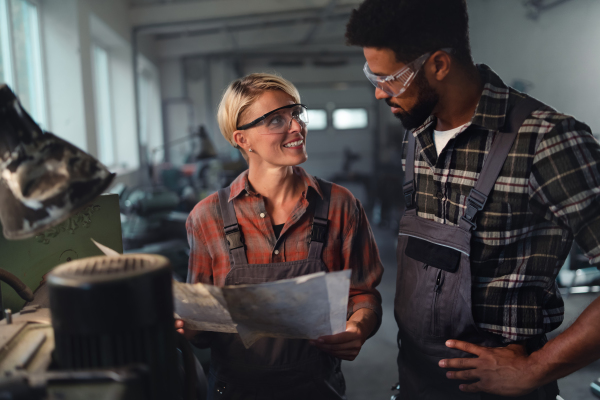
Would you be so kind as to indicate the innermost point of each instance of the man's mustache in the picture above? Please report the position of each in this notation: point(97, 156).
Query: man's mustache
point(389, 103)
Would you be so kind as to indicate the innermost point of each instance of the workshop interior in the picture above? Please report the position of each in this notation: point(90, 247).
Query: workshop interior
point(108, 131)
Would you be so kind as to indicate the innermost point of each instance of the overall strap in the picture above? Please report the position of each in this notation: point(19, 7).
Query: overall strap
point(318, 233)
point(235, 240)
point(495, 159)
point(409, 173)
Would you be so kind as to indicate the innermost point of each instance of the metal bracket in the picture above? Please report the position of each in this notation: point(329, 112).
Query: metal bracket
point(473, 207)
point(235, 239)
point(409, 198)
point(318, 232)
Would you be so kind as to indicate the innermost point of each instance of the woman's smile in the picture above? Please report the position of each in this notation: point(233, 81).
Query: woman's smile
point(296, 144)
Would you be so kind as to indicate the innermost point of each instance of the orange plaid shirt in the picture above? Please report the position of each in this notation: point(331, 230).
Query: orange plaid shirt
point(349, 245)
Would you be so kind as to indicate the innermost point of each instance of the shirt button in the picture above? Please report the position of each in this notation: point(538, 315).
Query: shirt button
point(246, 195)
point(440, 195)
point(276, 252)
point(262, 215)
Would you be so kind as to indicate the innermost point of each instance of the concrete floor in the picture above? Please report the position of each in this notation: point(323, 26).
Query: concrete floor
point(374, 371)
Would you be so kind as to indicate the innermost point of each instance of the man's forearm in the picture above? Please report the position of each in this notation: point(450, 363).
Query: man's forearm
point(573, 349)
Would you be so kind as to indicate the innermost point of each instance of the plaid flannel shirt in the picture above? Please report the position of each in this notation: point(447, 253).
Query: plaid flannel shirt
point(547, 193)
point(349, 244)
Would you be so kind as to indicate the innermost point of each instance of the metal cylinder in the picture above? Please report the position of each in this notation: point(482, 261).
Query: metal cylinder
point(116, 311)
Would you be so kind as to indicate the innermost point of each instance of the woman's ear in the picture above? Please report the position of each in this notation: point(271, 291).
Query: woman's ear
point(239, 137)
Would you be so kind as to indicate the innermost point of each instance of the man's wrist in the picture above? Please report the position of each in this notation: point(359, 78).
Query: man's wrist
point(538, 370)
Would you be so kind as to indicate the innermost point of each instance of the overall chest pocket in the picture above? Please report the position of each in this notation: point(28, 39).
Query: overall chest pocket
point(430, 311)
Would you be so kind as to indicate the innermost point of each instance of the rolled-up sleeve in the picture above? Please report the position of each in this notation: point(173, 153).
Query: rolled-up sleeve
point(200, 261)
point(199, 268)
point(361, 255)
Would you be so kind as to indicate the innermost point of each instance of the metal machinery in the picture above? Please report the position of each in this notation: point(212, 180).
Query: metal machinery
point(111, 336)
point(95, 328)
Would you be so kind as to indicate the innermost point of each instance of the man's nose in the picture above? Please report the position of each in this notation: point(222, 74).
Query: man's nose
point(380, 94)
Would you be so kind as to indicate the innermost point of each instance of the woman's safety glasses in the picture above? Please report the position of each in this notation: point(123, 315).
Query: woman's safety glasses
point(280, 119)
point(396, 84)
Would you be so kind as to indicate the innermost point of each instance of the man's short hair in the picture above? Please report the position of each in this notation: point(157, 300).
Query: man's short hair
point(412, 28)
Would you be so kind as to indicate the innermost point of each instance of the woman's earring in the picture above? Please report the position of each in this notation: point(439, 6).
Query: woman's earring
point(250, 150)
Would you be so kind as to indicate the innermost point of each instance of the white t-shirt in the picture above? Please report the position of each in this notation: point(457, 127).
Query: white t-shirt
point(441, 138)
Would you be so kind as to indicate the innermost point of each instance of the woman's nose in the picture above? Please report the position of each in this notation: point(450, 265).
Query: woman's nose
point(295, 125)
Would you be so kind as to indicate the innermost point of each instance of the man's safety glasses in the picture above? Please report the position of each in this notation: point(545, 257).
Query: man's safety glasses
point(280, 119)
point(396, 84)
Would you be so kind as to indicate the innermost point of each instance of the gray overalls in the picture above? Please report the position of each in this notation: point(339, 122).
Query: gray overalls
point(273, 368)
point(433, 287)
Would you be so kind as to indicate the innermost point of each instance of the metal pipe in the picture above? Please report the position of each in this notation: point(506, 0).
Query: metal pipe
point(22, 290)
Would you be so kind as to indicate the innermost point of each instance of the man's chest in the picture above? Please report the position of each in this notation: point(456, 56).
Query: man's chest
point(443, 182)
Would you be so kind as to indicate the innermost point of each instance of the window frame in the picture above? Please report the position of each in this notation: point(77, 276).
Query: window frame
point(111, 142)
point(41, 92)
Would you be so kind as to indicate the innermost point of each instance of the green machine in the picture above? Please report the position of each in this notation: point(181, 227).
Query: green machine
point(31, 259)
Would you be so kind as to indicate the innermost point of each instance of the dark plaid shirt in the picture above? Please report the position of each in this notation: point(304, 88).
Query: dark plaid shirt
point(547, 194)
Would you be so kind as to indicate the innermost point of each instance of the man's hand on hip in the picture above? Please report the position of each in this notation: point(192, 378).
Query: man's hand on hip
point(505, 371)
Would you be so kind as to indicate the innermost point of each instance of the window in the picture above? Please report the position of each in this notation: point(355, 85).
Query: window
point(102, 100)
point(150, 117)
point(21, 55)
point(317, 120)
point(6, 75)
point(350, 118)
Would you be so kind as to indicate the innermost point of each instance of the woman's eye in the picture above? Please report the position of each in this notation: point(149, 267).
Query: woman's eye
point(276, 120)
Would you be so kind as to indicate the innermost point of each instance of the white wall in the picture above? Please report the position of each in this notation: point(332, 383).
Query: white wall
point(556, 53)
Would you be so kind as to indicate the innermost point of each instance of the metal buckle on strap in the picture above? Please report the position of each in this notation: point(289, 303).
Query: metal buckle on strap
point(409, 191)
point(318, 231)
point(235, 239)
point(474, 206)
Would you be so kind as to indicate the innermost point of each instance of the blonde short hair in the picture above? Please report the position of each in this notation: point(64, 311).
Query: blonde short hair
point(240, 95)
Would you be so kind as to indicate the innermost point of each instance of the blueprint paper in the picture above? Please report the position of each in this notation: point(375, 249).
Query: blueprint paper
point(202, 307)
point(305, 307)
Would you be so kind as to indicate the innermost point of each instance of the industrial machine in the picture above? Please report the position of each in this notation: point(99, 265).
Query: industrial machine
point(111, 336)
point(96, 327)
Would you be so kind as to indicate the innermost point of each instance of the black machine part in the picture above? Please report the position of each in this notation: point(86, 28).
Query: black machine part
point(27, 371)
point(111, 312)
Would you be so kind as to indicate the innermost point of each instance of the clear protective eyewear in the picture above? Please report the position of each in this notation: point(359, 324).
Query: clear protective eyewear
point(280, 119)
point(396, 84)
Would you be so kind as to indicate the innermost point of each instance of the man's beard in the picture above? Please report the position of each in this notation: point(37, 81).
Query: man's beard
point(427, 99)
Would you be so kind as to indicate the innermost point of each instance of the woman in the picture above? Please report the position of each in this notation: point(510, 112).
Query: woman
point(273, 206)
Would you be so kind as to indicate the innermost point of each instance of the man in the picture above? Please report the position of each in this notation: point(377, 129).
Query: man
point(497, 186)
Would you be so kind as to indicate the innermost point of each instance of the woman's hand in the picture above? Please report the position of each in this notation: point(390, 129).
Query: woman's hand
point(187, 333)
point(346, 345)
